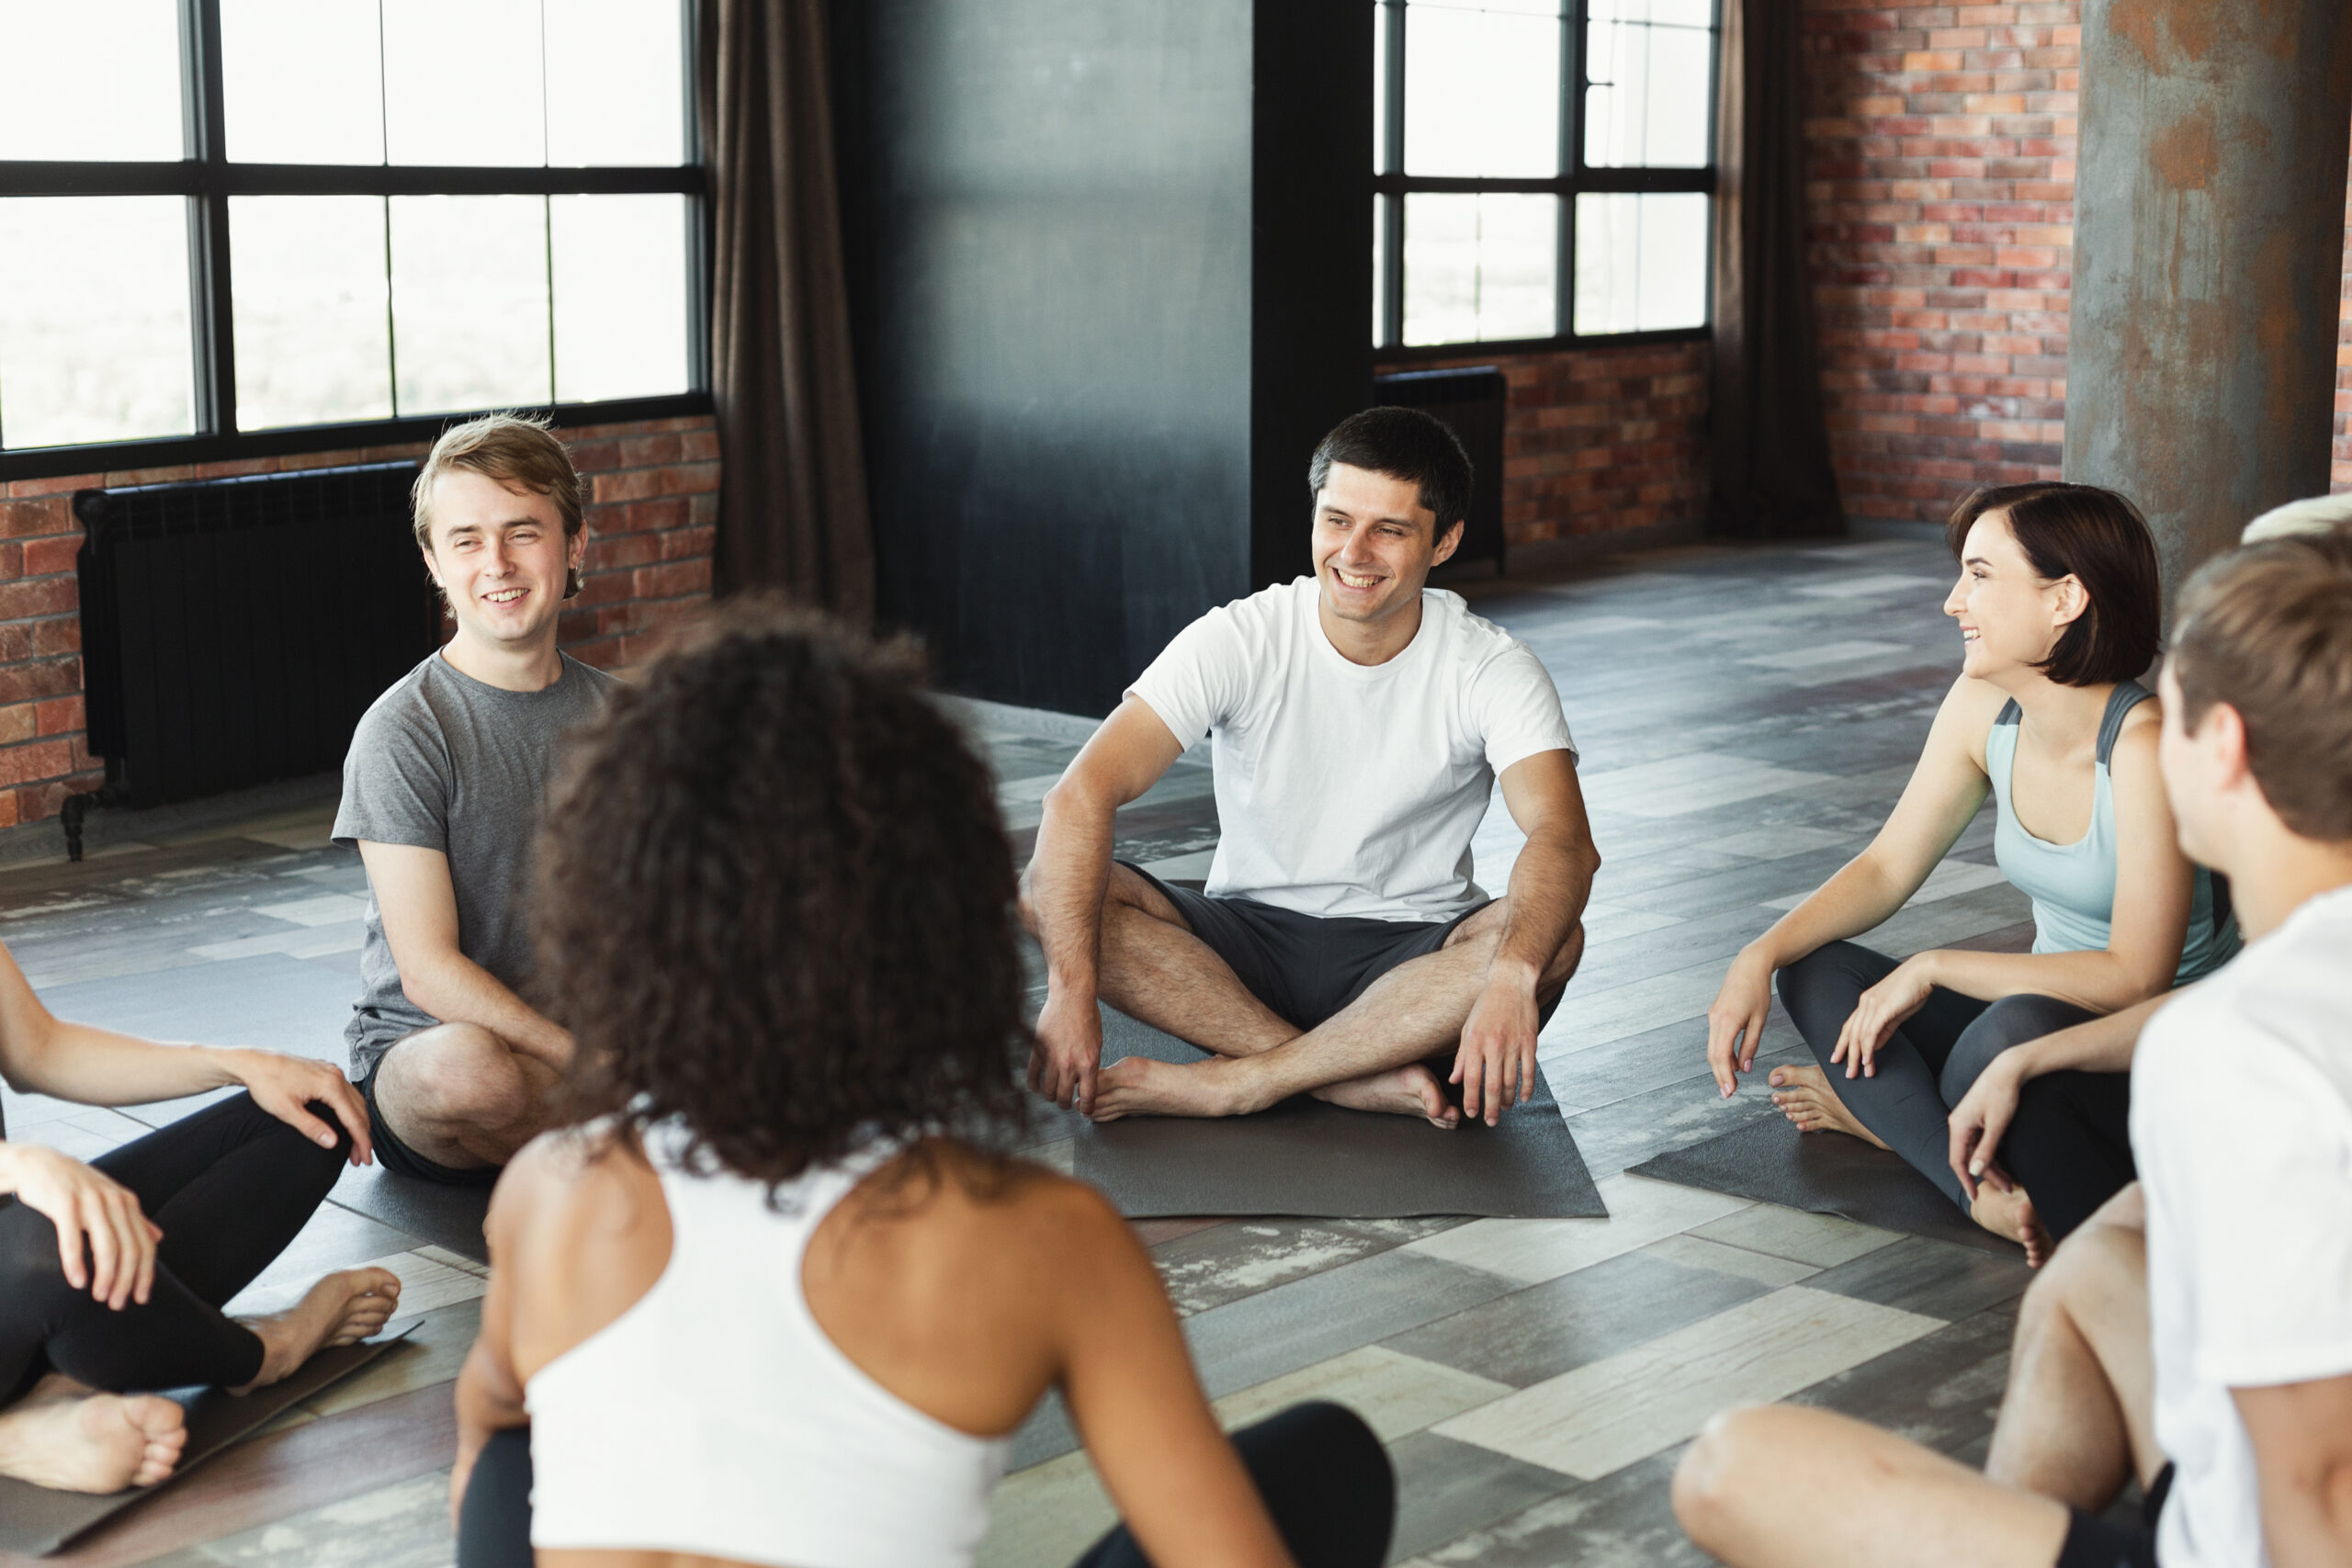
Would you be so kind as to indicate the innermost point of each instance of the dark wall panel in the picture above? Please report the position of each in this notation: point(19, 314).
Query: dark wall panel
point(1049, 214)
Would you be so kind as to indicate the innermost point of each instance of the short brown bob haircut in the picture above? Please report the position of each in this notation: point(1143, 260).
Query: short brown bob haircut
point(2267, 629)
point(506, 447)
point(2099, 538)
point(772, 897)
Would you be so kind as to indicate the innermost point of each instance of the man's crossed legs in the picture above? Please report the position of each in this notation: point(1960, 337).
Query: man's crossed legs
point(1367, 1047)
point(455, 1102)
point(1783, 1487)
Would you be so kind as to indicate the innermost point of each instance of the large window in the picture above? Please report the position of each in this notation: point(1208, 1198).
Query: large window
point(1542, 169)
point(225, 224)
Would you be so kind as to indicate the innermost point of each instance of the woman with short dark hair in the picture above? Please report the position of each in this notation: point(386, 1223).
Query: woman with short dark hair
point(779, 1301)
point(2059, 604)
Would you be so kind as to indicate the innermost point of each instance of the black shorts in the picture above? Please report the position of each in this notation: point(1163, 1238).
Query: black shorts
point(402, 1160)
point(2095, 1543)
point(1305, 967)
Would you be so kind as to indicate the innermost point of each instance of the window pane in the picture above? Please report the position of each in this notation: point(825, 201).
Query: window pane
point(620, 296)
point(94, 324)
point(1481, 266)
point(462, 82)
point(314, 346)
point(615, 82)
point(1482, 88)
point(469, 302)
point(1641, 262)
point(1380, 272)
point(1650, 101)
point(303, 81)
point(91, 81)
point(1380, 88)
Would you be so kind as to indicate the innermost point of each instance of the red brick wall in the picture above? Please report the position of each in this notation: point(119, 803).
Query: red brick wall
point(655, 501)
point(1600, 439)
point(1940, 166)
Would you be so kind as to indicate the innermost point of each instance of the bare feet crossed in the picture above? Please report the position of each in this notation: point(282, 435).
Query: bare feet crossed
point(1141, 1086)
point(1409, 1091)
point(69, 1438)
point(342, 1309)
point(1805, 1098)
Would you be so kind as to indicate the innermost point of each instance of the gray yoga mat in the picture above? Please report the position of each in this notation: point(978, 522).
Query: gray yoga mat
point(1824, 1173)
point(1306, 1158)
point(35, 1522)
point(446, 1216)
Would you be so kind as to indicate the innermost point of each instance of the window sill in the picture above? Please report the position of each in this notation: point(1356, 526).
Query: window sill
point(1422, 354)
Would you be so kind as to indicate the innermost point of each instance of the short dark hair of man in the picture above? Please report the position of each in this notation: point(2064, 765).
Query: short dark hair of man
point(2267, 629)
point(1404, 444)
point(773, 898)
point(2099, 538)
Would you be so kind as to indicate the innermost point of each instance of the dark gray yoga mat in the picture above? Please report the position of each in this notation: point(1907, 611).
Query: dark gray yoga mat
point(35, 1522)
point(1824, 1173)
point(1306, 1158)
point(446, 1216)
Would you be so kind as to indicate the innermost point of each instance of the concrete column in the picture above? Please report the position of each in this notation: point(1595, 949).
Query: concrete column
point(2208, 251)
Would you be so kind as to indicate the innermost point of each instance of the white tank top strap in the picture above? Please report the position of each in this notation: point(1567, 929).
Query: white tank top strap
point(716, 1415)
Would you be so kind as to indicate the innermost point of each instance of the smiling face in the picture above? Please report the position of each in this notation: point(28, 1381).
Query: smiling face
point(2010, 616)
point(1375, 543)
point(501, 558)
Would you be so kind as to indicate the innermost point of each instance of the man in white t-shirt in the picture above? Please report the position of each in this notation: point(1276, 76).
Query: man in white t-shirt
point(2196, 1335)
point(1360, 721)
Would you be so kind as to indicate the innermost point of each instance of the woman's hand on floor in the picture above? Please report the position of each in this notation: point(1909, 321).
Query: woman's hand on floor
point(286, 1086)
point(1735, 1019)
point(1880, 1012)
point(87, 1205)
point(1982, 1118)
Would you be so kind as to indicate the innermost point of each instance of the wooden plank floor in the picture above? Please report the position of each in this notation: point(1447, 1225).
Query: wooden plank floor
point(1745, 716)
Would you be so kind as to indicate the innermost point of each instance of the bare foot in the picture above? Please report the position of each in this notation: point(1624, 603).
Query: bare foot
point(1138, 1086)
point(342, 1309)
point(1805, 1098)
point(1408, 1091)
point(2010, 1215)
point(68, 1438)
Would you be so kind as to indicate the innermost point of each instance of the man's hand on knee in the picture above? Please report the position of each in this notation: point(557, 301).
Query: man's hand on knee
point(1068, 1051)
point(1496, 1063)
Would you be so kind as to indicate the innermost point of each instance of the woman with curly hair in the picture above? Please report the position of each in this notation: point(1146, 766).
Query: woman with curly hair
point(777, 1303)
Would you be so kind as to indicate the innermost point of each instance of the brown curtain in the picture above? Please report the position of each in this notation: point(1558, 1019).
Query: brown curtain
point(1768, 442)
point(792, 508)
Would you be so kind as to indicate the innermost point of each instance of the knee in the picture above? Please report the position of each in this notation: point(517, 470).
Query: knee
point(1706, 1493)
point(2094, 1264)
point(459, 1072)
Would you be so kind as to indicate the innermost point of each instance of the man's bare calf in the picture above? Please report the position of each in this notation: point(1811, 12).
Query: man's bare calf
point(1370, 1057)
point(462, 1097)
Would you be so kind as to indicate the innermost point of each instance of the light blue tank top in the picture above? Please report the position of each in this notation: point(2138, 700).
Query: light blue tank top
point(2073, 885)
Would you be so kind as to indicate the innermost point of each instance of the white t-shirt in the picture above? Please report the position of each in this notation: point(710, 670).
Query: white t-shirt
point(2242, 1128)
point(1352, 789)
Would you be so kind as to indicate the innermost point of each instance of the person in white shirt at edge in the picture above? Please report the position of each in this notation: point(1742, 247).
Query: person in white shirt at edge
point(2197, 1335)
point(1359, 721)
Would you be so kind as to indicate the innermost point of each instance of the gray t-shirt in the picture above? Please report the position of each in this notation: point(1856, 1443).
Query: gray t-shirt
point(442, 761)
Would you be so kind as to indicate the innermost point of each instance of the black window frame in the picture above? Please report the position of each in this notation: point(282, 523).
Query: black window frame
point(1392, 184)
point(207, 179)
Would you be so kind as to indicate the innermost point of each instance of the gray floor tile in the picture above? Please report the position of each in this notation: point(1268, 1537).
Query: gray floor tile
point(1445, 1489)
point(1937, 1278)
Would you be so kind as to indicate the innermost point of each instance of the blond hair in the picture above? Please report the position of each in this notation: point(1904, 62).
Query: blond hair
point(2267, 629)
point(506, 447)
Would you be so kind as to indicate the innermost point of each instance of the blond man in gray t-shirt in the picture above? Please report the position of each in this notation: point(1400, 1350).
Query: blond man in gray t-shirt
point(441, 792)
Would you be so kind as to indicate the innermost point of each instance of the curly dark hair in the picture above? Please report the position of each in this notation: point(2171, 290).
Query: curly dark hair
point(773, 897)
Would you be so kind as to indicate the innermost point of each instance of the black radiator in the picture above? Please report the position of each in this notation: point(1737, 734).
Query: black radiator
point(1472, 401)
point(234, 630)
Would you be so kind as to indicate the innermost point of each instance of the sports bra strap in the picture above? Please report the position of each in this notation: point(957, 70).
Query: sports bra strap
point(2127, 696)
point(2010, 713)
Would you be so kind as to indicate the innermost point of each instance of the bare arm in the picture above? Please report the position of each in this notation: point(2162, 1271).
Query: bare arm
point(1062, 891)
point(489, 1393)
point(1977, 1124)
point(1550, 883)
point(419, 906)
point(1946, 789)
point(2302, 1434)
point(1137, 1404)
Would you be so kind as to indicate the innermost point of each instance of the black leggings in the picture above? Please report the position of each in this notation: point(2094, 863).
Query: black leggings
point(230, 1186)
point(2069, 1146)
point(1320, 1470)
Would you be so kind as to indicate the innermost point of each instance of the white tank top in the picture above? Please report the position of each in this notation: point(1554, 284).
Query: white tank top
point(714, 1416)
